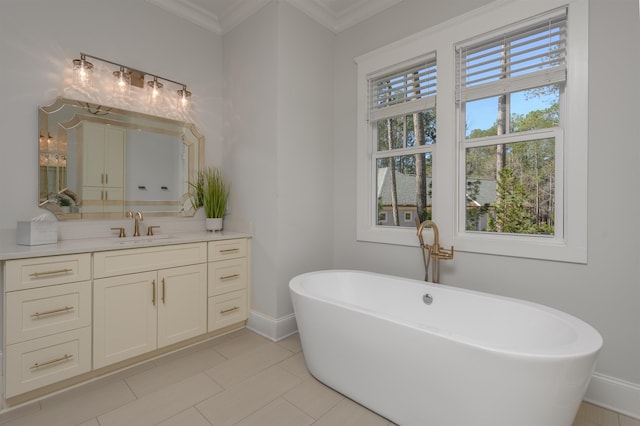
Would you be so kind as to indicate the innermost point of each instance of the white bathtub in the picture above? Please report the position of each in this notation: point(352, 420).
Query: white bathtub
point(467, 359)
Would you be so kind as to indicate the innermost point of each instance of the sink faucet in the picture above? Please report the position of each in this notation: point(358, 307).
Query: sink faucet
point(432, 251)
point(138, 218)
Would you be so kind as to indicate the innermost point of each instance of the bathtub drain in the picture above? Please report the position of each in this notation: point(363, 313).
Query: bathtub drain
point(427, 298)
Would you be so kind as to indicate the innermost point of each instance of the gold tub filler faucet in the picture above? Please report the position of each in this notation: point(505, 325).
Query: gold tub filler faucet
point(433, 251)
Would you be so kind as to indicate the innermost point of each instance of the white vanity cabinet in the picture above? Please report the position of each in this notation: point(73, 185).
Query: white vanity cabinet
point(47, 320)
point(71, 317)
point(228, 281)
point(147, 298)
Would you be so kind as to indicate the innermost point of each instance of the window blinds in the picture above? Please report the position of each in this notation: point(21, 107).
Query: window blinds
point(403, 92)
point(529, 57)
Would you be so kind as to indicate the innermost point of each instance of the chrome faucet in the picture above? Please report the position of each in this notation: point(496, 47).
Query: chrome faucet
point(432, 251)
point(138, 218)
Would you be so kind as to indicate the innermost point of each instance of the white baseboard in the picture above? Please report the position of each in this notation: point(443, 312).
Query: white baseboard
point(614, 394)
point(272, 328)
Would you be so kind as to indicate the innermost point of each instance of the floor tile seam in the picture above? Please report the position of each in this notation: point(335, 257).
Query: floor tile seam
point(305, 411)
point(194, 406)
point(208, 371)
point(187, 409)
point(246, 352)
point(256, 410)
point(262, 406)
point(148, 395)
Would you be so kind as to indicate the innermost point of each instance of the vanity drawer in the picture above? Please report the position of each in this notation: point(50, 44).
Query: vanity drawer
point(128, 261)
point(43, 311)
point(227, 309)
point(227, 249)
point(43, 271)
point(40, 362)
point(227, 275)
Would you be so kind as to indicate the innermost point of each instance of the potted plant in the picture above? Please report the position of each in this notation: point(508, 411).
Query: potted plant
point(211, 192)
point(64, 202)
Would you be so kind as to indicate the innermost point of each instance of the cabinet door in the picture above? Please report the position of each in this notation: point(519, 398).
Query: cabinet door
point(124, 322)
point(182, 303)
point(114, 150)
point(93, 143)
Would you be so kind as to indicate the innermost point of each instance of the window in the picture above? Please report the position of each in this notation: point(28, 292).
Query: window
point(402, 120)
point(509, 92)
point(508, 173)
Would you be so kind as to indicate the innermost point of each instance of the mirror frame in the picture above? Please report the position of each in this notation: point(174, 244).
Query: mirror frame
point(188, 132)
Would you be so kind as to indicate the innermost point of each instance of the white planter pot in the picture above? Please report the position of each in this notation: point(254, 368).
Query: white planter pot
point(213, 224)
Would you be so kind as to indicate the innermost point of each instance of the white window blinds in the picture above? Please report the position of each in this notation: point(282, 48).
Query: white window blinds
point(531, 56)
point(403, 92)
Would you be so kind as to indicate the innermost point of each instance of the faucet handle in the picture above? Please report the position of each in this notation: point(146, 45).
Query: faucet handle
point(121, 234)
point(150, 229)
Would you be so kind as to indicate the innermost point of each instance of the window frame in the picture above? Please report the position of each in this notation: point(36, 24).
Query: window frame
point(448, 193)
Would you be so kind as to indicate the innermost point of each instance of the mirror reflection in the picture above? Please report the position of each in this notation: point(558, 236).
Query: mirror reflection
point(99, 162)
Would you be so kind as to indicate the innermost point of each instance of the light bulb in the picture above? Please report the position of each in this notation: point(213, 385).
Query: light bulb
point(82, 72)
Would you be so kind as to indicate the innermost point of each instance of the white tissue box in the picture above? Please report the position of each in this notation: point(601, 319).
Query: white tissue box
point(36, 232)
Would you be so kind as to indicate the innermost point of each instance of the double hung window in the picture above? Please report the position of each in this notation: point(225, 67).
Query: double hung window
point(510, 90)
point(403, 121)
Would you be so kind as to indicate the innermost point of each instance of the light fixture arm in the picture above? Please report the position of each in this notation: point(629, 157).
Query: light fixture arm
point(82, 55)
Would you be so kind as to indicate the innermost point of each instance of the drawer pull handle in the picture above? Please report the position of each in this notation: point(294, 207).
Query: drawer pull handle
point(57, 271)
point(153, 292)
point(53, 311)
point(164, 291)
point(66, 357)
point(226, 311)
point(227, 251)
point(228, 277)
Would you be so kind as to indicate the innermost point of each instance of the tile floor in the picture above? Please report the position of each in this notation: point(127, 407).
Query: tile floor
point(238, 379)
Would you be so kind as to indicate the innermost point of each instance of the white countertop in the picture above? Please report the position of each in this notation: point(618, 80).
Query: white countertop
point(10, 250)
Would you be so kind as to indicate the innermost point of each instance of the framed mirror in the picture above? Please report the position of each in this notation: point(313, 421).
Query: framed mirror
point(98, 162)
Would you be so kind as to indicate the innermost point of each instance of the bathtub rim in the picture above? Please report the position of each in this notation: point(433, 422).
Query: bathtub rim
point(589, 343)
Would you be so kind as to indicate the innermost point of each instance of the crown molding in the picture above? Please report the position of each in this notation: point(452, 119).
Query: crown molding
point(337, 22)
point(242, 9)
point(191, 12)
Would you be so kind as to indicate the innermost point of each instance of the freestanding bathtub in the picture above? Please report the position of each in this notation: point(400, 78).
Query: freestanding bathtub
point(452, 358)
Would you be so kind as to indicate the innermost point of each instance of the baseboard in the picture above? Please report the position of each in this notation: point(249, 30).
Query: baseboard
point(614, 394)
point(272, 328)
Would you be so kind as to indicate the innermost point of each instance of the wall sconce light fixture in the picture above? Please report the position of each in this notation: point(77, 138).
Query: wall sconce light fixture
point(126, 77)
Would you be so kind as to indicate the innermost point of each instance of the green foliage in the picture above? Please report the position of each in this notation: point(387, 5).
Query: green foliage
point(211, 192)
point(510, 213)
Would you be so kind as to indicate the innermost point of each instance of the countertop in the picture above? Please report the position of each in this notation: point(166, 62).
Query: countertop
point(10, 250)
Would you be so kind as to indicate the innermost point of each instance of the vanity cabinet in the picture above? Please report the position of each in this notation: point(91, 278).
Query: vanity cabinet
point(228, 280)
point(103, 168)
point(147, 298)
point(47, 320)
point(70, 317)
